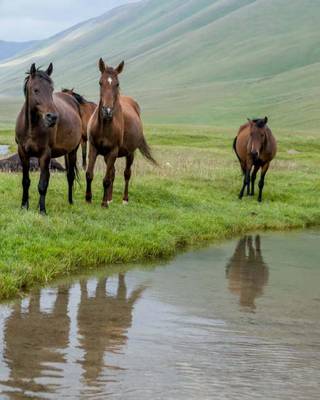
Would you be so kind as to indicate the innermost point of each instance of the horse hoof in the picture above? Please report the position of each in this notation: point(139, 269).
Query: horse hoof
point(104, 204)
point(125, 202)
point(25, 207)
point(110, 201)
point(43, 213)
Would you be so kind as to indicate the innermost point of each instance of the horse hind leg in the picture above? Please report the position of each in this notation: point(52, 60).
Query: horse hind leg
point(71, 173)
point(127, 176)
point(84, 154)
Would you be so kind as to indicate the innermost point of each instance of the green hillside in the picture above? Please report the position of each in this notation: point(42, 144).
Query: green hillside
point(195, 61)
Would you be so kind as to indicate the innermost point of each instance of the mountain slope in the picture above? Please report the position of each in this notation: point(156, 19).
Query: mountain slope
point(11, 49)
point(196, 61)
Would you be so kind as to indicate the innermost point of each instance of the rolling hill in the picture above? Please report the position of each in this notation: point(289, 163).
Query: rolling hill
point(195, 61)
point(11, 49)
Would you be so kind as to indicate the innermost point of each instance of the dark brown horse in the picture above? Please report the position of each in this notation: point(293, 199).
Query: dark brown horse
point(255, 147)
point(115, 130)
point(86, 110)
point(48, 126)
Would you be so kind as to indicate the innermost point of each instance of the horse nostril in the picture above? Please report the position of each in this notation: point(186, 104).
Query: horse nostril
point(107, 112)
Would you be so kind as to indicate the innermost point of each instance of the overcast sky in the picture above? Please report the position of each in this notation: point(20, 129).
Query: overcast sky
point(22, 20)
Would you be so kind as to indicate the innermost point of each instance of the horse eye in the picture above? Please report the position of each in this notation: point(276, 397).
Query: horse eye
point(36, 91)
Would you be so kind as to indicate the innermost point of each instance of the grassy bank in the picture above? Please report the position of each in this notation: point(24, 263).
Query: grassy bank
point(192, 198)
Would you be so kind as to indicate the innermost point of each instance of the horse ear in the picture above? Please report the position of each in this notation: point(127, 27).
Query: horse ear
point(102, 66)
point(120, 67)
point(33, 69)
point(250, 121)
point(49, 69)
point(265, 120)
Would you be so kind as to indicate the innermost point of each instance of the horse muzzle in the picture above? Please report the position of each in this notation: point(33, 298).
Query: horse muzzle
point(51, 119)
point(107, 113)
point(255, 155)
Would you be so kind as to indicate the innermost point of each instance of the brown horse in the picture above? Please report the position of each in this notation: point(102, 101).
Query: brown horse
point(115, 130)
point(86, 110)
point(255, 147)
point(48, 126)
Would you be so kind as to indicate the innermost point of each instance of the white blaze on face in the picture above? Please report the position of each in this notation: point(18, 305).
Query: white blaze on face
point(110, 81)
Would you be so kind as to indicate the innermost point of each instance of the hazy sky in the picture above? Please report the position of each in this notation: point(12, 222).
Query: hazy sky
point(22, 20)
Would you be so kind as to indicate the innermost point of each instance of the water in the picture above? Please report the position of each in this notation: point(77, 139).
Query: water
point(234, 321)
point(4, 149)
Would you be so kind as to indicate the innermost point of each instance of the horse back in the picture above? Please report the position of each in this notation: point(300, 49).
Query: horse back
point(241, 142)
point(69, 130)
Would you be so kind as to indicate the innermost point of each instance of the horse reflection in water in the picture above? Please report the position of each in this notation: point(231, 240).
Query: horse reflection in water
point(103, 323)
point(247, 272)
point(34, 341)
point(37, 343)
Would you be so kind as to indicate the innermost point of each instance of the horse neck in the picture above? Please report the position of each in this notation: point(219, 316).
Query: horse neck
point(30, 116)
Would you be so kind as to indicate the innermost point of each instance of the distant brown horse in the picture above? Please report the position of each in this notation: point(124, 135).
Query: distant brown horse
point(48, 126)
point(86, 110)
point(255, 147)
point(115, 130)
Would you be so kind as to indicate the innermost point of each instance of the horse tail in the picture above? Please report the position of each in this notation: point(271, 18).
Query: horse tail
point(235, 148)
point(145, 150)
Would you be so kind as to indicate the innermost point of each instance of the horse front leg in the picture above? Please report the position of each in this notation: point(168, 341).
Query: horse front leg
point(110, 191)
point(246, 182)
point(71, 173)
point(253, 179)
point(90, 171)
point(25, 161)
point(264, 170)
point(44, 163)
point(127, 176)
point(110, 160)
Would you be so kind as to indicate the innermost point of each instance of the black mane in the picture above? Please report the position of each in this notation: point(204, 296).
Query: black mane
point(260, 122)
point(39, 74)
point(80, 99)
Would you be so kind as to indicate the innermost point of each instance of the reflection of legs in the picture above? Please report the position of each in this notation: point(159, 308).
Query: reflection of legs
point(122, 288)
point(127, 176)
point(250, 248)
point(264, 170)
point(90, 171)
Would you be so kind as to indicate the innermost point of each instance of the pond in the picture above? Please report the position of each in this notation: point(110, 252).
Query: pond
point(239, 320)
point(4, 150)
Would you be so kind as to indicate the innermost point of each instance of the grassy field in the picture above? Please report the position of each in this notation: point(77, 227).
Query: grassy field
point(190, 199)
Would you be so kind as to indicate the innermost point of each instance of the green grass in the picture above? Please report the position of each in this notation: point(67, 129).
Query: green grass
point(190, 199)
